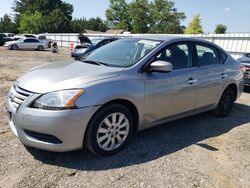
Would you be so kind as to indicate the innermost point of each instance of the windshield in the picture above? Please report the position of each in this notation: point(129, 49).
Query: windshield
point(123, 53)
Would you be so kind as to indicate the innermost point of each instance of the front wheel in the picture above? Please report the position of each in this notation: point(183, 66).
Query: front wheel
point(226, 102)
point(14, 47)
point(40, 48)
point(109, 130)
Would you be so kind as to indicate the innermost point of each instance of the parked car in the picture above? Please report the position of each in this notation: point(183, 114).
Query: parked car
point(125, 86)
point(9, 34)
point(44, 38)
point(245, 60)
point(39, 37)
point(88, 46)
point(4, 38)
point(26, 43)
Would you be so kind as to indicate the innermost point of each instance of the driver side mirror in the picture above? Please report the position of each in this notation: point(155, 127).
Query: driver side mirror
point(161, 66)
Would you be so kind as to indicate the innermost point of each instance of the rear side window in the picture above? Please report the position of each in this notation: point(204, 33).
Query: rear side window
point(206, 55)
point(42, 38)
point(247, 54)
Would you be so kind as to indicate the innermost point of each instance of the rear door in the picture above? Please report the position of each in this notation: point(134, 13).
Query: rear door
point(211, 72)
point(173, 93)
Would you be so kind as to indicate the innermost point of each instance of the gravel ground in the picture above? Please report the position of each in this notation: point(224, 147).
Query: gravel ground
point(200, 151)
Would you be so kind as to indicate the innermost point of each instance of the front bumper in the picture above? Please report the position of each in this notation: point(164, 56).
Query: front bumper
point(68, 126)
point(6, 46)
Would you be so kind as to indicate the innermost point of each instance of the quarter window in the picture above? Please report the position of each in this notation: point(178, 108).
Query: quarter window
point(177, 54)
point(206, 56)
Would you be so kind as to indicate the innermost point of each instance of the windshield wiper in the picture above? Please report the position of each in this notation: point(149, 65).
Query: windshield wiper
point(95, 62)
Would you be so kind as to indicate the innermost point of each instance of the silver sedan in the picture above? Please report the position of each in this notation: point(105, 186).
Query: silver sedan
point(125, 86)
point(27, 44)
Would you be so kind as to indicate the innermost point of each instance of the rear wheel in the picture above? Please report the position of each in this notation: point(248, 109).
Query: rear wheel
point(14, 47)
point(40, 48)
point(226, 102)
point(109, 130)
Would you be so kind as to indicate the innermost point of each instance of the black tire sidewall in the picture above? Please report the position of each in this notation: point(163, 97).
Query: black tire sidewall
point(14, 47)
point(90, 136)
point(224, 112)
point(40, 48)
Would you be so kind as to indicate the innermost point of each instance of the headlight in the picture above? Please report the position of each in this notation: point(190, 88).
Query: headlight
point(59, 100)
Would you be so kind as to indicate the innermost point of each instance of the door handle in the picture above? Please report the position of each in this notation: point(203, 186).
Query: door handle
point(192, 81)
point(223, 75)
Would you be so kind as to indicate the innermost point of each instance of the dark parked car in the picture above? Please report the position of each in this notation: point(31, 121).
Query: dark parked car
point(88, 45)
point(4, 38)
point(245, 60)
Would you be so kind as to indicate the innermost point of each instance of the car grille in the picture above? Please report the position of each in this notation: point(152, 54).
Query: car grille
point(17, 96)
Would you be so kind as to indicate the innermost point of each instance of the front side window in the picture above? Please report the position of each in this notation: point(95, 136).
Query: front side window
point(206, 55)
point(33, 40)
point(123, 52)
point(27, 40)
point(176, 54)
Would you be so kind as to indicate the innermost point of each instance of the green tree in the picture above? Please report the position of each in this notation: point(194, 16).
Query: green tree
point(56, 22)
point(118, 15)
point(7, 25)
point(78, 25)
point(220, 29)
point(165, 17)
point(55, 12)
point(30, 22)
point(96, 24)
point(140, 16)
point(194, 27)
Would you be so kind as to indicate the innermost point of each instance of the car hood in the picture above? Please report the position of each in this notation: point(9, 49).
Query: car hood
point(12, 42)
point(64, 75)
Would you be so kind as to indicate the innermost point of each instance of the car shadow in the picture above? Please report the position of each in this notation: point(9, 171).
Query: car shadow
point(153, 143)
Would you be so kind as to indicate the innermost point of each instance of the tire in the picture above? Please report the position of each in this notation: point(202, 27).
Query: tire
point(40, 48)
point(226, 103)
point(14, 47)
point(49, 44)
point(102, 137)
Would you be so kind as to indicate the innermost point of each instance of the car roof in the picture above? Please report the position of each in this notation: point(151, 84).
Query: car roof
point(24, 38)
point(167, 38)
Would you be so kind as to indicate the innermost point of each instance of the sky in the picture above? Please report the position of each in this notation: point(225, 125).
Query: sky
point(235, 14)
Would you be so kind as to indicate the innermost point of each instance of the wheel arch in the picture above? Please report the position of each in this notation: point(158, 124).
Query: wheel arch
point(126, 103)
point(235, 89)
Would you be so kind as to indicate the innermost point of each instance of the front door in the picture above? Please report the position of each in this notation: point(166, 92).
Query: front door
point(173, 93)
